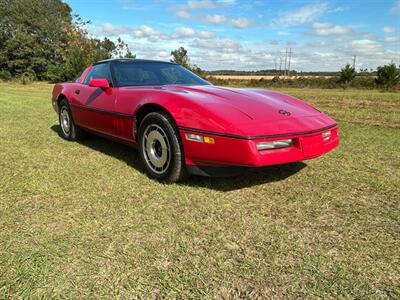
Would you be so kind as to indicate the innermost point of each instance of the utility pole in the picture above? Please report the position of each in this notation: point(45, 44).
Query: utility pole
point(284, 73)
point(290, 57)
point(280, 65)
point(275, 63)
point(354, 62)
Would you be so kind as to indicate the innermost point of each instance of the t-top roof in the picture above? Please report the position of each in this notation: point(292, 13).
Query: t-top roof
point(133, 60)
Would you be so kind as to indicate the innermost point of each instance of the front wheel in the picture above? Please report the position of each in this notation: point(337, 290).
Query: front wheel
point(160, 148)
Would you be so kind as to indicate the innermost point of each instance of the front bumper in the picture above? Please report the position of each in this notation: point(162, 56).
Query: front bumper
point(236, 151)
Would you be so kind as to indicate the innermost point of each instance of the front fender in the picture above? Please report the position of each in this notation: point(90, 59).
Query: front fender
point(187, 112)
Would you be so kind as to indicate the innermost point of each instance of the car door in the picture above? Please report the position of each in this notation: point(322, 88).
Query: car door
point(94, 107)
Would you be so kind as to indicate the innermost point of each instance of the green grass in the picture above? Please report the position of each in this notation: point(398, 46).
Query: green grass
point(82, 220)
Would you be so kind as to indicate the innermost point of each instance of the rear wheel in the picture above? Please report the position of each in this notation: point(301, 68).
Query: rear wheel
point(160, 148)
point(69, 130)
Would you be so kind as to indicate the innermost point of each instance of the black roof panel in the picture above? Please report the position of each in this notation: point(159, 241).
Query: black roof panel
point(133, 60)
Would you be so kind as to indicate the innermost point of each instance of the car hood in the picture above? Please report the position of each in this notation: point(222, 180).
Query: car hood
point(253, 112)
point(245, 112)
point(258, 105)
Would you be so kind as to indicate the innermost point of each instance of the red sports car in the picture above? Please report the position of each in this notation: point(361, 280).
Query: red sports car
point(184, 125)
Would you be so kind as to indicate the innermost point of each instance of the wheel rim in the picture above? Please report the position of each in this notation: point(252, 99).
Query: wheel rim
point(65, 120)
point(156, 149)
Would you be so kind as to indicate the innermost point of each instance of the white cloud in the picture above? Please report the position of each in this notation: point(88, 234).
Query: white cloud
point(219, 44)
point(364, 47)
point(184, 10)
point(221, 19)
point(241, 22)
point(301, 15)
point(184, 32)
point(392, 39)
point(216, 19)
point(111, 30)
point(149, 33)
point(145, 32)
point(222, 53)
point(325, 55)
point(218, 52)
point(205, 4)
point(188, 32)
point(183, 14)
point(325, 29)
point(387, 29)
point(320, 44)
point(200, 4)
point(204, 34)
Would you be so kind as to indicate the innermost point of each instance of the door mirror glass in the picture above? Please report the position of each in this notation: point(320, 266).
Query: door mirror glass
point(100, 83)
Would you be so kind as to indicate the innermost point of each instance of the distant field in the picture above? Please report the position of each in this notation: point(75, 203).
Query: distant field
point(258, 77)
point(82, 221)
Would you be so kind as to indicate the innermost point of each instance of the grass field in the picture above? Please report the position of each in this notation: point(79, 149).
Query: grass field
point(82, 220)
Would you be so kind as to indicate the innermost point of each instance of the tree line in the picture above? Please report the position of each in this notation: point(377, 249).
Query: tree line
point(387, 77)
point(44, 40)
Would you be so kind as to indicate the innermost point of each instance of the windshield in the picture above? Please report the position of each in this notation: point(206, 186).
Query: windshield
point(153, 73)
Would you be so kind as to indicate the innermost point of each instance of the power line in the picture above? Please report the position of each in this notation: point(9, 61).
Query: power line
point(284, 73)
point(290, 58)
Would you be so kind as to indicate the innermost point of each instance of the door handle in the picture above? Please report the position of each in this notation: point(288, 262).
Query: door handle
point(77, 92)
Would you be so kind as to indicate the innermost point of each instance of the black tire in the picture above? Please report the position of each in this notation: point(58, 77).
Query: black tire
point(69, 131)
point(159, 140)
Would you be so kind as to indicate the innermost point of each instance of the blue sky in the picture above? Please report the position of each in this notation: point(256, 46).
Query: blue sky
point(252, 35)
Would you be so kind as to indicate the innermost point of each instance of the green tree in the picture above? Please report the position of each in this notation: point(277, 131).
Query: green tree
point(129, 54)
point(347, 74)
point(122, 50)
point(32, 33)
point(181, 57)
point(388, 76)
point(82, 50)
point(41, 39)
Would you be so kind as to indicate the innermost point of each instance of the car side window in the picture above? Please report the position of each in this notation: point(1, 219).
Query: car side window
point(98, 71)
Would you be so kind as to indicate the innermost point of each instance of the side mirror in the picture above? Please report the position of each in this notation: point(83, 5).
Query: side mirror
point(100, 83)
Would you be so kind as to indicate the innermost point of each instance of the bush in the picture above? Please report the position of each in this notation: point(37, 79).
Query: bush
point(27, 77)
point(5, 75)
point(388, 76)
point(347, 75)
point(55, 73)
point(363, 82)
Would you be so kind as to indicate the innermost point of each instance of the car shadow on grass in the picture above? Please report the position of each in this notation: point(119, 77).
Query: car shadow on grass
point(253, 177)
point(125, 153)
point(130, 156)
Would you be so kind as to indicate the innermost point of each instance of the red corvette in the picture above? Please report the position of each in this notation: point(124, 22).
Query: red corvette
point(182, 124)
